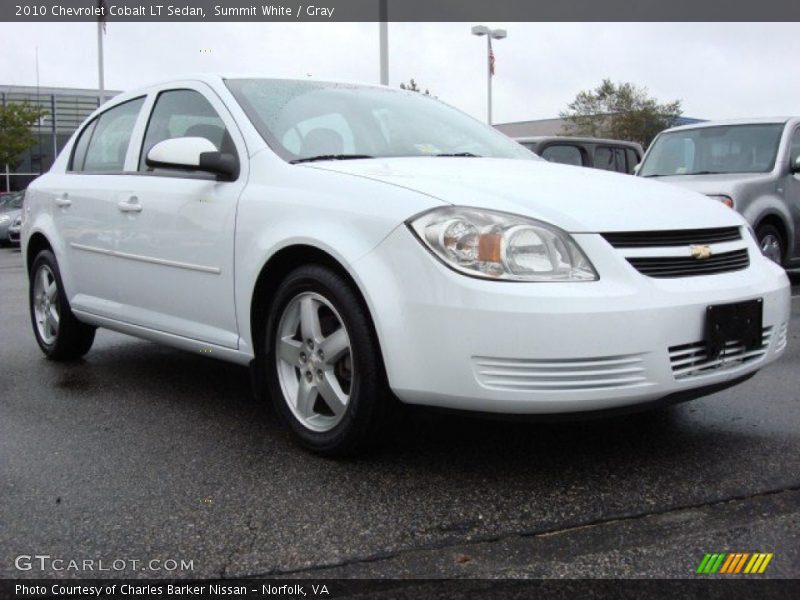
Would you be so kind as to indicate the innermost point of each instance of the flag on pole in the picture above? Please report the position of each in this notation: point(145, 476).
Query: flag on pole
point(103, 7)
point(491, 58)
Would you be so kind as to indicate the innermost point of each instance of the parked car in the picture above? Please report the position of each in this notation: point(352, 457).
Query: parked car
point(11, 201)
point(14, 230)
point(610, 155)
point(751, 165)
point(356, 245)
point(6, 220)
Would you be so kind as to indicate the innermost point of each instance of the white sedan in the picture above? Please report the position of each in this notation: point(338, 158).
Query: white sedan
point(356, 245)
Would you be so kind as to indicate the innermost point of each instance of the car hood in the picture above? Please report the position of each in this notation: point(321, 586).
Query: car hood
point(576, 199)
point(726, 183)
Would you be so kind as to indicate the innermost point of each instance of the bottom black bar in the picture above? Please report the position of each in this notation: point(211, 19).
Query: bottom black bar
point(711, 588)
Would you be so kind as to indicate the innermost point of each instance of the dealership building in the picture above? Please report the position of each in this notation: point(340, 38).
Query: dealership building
point(66, 109)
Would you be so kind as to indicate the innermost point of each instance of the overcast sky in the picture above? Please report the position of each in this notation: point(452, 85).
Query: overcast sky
point(719, 70)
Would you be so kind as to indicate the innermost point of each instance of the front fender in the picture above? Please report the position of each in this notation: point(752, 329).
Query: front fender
point(342, 215)
point(769, 205)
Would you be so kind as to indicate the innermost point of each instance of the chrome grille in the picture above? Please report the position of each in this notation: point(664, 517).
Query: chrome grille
point(519, 374)
point(676, 237)
point(688, 266)
point(690, 360)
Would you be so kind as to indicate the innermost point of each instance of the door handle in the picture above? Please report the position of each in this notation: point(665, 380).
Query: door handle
point(131, 205)
point(63, 200)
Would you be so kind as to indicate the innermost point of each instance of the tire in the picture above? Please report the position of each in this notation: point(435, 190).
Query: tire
point(307, 358)
point(64, 337)
point(770, 240)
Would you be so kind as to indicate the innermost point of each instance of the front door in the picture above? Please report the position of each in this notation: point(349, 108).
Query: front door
point(176, 242)
point(792, 193)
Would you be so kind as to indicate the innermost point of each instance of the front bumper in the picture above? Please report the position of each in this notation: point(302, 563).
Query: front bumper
point(458, 342)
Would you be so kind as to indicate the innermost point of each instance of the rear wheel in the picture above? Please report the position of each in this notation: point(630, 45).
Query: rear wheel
point(59, 334)
point(770, 240)
point(323, 363)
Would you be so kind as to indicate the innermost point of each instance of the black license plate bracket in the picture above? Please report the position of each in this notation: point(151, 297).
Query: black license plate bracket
point(735, 322)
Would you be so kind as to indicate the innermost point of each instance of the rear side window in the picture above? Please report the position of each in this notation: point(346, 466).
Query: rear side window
point(79, 154)
point(610, 159)
point(564, 154)
point(103, 145)
point(184, 113)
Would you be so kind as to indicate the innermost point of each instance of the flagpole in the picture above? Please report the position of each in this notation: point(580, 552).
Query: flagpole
point(101, 82)
point(489, 76)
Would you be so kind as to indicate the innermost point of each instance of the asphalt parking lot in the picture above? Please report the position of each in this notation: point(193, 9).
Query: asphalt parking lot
point(142, 452)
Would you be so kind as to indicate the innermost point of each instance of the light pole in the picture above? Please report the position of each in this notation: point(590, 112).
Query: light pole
point(491, 34)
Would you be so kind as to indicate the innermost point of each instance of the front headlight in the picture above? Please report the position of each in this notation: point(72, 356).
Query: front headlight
point(4, 218)
point(496, 245)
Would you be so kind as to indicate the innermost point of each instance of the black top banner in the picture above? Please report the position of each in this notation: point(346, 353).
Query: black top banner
point(398, 10)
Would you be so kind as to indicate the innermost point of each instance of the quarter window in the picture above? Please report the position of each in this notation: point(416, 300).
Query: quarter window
point(184, 113)
point(104, 143)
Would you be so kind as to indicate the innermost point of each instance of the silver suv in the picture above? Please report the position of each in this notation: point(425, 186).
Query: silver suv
point(752, 165)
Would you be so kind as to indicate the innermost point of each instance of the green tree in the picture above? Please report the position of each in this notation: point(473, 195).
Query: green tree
point(413, 87)
point(16, 134)
point(620, 111)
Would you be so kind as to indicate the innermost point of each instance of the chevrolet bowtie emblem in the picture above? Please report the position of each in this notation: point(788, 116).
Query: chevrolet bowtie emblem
point(700, 252)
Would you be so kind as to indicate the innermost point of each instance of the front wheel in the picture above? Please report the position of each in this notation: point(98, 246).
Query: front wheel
point(323, 363)
point(770, 240)
point(59, 334)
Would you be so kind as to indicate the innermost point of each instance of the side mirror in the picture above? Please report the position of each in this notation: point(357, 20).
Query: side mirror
point(795, 166)
point(193, 154)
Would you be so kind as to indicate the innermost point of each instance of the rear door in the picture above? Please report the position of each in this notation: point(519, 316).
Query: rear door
point(84, 206)
point(176, 238)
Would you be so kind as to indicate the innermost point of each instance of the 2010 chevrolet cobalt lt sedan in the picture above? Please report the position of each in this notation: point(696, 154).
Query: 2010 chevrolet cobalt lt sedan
point(356, 245)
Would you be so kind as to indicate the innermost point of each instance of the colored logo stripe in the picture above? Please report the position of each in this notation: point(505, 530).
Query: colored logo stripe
point(734, 562)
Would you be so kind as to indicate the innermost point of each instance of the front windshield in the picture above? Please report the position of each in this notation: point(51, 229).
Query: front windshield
point(11, 201)
point(306, 119)
point(711, 150)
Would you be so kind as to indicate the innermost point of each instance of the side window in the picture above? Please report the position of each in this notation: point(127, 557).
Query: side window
point(794, 154)
point(107, 139)
point(604, 158)
point(564, 154)
point(633, 159)
point(184, 113)
point(79, 153)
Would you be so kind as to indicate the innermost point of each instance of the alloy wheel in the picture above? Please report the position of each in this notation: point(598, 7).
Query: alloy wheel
point(771, 247)
point(314, 361)
point(45, 304)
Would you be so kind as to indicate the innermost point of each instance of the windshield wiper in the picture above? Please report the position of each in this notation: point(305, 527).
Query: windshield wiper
point(330, 157)
point(466, 154)
point(693, 173)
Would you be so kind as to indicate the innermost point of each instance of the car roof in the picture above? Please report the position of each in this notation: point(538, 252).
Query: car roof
point(572, 138)
point(744, 121)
